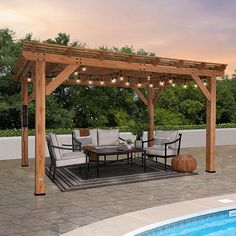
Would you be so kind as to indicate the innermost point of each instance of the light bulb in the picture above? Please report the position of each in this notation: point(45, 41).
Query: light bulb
point(173, 85)
point(161, 83)
point(84, 68)
point(205, 83)
point(149, 77)
point(185, 85)
point(127, 83)
point(29, 79)
point(102, 82)
point(78, 80)
point(150, 85)
point(76, 73)
point(170, 81)
point(195, 85)
point(90, 81)
point(113, 80)
point(121, 78)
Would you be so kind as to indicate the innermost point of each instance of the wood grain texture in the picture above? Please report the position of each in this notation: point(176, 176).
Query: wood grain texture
point(211, 126)
point(40, 128)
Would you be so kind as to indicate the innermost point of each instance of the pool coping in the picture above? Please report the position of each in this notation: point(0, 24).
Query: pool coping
point(134, 222)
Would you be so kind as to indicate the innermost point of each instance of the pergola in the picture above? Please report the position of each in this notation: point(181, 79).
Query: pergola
point(52, 65)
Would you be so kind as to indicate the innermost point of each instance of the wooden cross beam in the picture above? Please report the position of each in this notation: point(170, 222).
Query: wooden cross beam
point(63, 76)
point(140, 95)
point(158, 94)
point(202, 87)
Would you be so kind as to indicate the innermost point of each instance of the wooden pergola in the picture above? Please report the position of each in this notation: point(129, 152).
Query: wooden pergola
point(52, 65)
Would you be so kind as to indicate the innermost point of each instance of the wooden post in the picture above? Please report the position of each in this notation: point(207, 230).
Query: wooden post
point(40, 128)
point(24, 123)
point(211, 126)
point(150, 106)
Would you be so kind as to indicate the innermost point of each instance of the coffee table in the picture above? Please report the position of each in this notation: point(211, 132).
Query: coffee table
point(114, 151)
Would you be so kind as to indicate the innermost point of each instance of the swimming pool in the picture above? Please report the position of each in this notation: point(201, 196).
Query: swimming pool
point(219, 222)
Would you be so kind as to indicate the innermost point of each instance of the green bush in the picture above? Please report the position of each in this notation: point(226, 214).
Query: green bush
point(17, 132)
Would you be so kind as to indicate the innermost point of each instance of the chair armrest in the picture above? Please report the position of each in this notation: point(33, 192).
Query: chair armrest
point(67, 145)
point(122, 139)
point(147, 141)
point(177, 140)
point(65, 148)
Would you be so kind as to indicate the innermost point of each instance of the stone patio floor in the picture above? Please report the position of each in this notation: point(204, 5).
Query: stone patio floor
point(21, 213)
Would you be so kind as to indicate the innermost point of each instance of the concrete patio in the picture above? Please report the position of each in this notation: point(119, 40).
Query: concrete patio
point(21, 213)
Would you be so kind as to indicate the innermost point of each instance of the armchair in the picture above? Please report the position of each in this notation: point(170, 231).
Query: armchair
point(59, 158)
point(166, 145)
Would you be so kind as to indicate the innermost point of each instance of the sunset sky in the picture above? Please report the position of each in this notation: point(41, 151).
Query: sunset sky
point(202, 30)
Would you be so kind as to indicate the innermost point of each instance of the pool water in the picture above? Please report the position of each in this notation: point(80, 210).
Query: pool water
point(221, 223)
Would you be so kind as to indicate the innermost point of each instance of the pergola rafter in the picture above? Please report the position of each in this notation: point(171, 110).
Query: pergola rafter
point(52, 65)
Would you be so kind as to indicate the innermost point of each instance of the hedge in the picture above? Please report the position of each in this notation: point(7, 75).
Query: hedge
point(17, 132)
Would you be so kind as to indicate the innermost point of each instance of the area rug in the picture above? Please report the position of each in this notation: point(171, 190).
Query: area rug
point(71, 178)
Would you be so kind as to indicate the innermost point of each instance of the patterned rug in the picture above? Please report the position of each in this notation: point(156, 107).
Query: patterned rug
point(71, 178)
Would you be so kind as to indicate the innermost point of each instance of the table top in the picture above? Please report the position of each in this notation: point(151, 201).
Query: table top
point(112, 151)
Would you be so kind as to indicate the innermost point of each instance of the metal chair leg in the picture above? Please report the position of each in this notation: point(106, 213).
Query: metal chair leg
point(50, 169)
point(54, 173)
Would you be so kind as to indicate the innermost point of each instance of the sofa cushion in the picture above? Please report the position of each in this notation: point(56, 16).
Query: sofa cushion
point(94, 136)
point(84, 140)
point(162, 137)
point(157, 150)
point(58, 153)
point(72, 158)
point(108, 137)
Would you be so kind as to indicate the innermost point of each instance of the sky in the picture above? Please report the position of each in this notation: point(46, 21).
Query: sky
point(203, 30)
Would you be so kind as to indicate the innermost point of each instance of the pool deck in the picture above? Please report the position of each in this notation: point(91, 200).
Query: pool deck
point(126, 223)
point(21, 213)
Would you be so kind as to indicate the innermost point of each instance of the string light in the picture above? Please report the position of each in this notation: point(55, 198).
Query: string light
point(127, 83)
point(161, 82)
point(90, 80)
point(173, 84)
point(113, 80)
point(139, 83)
point(149, 77)
point(78, 80)
point(195, 85)
point(76, 73)
point(170, 81)
point(150, 84)
point(185, 85)
point(84, 68)
point(204, 83)
point(29, 79)
point(121, 76)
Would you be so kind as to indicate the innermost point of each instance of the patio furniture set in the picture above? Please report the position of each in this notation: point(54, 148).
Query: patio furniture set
point(91, 145)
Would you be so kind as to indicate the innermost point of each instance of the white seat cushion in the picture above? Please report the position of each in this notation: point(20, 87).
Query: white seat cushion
point(72, 158)
point(58, 153)
point(162, 137)
point(84, 140)
point(157, 150)
point(110, 146)
point(94, 136)
point(108, 137)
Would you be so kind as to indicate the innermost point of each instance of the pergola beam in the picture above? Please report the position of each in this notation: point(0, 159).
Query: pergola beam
point(40, 128)
point(140, 95)
point(63, 76)
point(211, 126)
point(202, 87)
point(158, 94)
point(121, 65)
point(24, 123)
